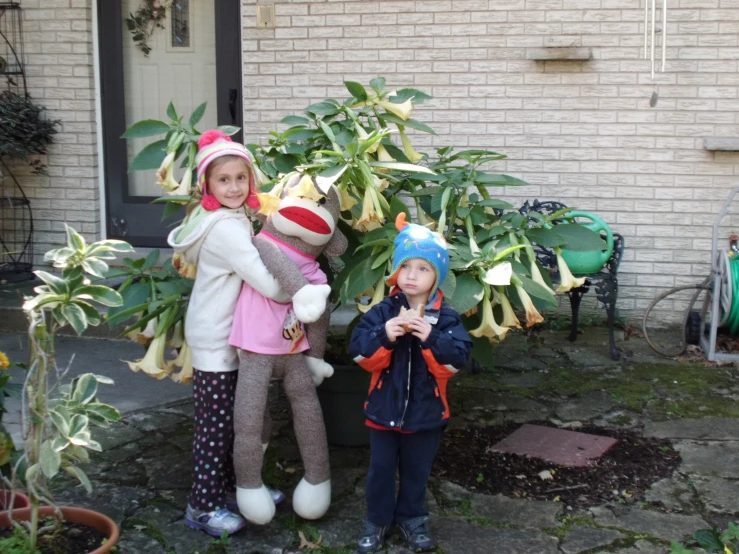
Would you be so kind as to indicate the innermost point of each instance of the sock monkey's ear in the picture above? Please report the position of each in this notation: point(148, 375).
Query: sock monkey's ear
point(337, 245)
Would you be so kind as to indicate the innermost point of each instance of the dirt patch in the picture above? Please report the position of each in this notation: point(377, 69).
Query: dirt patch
point(622, 474)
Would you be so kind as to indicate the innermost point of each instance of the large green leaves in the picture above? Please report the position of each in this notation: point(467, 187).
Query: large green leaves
point(150, 157)
point(146, 128)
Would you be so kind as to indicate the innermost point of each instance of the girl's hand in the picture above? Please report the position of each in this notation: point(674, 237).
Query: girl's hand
point(394, 328)
point(419, 328)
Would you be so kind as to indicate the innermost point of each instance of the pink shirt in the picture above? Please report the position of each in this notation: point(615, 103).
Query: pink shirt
point(264, 326)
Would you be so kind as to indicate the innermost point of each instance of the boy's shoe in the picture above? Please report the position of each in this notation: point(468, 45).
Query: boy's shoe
point(214, 523)
point(231, 504)
point(416, 535)
point(372, 539)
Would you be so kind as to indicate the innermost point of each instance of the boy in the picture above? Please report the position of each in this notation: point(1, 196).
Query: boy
point(411, 359)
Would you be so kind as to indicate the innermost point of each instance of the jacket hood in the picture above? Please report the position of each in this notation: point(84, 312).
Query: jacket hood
point(187, 239)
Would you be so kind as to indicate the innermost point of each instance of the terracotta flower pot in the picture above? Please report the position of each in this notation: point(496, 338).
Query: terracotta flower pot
point(96, 520)
point(20, 500)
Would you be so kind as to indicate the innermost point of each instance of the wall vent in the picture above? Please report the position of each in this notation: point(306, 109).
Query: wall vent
point(266, 16)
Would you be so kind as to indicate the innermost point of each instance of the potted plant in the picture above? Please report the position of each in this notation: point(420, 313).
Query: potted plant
point(58, 415)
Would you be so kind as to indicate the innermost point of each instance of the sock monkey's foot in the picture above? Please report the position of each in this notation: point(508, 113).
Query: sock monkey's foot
point(256, 505)
point(311, 501)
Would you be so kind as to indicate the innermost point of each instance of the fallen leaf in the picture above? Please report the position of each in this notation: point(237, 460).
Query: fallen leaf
point(305, 544)
point(546, 475)
point(140, 527)
point(289, 470)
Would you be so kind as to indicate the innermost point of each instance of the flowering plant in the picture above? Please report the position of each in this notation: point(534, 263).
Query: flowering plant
point(493, 266)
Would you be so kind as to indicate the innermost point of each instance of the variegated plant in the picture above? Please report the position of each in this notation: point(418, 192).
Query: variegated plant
point(57, 416)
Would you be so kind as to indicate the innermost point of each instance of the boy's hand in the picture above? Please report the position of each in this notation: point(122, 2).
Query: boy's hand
point(394, 328)
point(419, 328)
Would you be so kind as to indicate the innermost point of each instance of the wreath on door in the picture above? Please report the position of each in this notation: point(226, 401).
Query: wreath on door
point(146, 20)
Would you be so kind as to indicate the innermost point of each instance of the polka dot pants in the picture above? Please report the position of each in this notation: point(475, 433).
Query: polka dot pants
point(212, 449)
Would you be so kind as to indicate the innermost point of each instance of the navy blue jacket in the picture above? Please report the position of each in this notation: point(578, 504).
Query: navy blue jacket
point(409, 377)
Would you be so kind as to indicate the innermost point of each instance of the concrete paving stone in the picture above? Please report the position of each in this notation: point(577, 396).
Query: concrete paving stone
point(719, 495)
point(515, 511)
point(709, 458)
point(581, 539)
point(453, 492)
point(587, 407)
point(673, 493)
point(619, 419)
point(663, 526)
point(591, 358)
point(116, 501)
point(274, 537)
point(155, 420)
point(527, 380)
point(456, 536)
point(520, 363)
point(640, 547)
point(711, 428)
point(136, 542)
point(117, 434)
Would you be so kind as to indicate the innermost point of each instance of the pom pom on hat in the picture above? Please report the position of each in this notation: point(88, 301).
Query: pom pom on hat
point(416, 241)
point(209, 137)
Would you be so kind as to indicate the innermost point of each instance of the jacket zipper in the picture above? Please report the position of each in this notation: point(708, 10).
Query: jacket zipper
point(407, 388)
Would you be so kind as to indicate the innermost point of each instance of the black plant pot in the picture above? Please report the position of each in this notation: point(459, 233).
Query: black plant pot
point(342, 401)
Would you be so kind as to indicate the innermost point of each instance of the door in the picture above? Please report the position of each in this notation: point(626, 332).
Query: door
point(194, 57)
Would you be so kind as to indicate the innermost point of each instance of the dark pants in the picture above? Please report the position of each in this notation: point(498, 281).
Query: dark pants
point(412, 454)
point(212, 447)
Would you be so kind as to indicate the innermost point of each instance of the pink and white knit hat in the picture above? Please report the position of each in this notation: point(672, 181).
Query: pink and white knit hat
point(214, 144)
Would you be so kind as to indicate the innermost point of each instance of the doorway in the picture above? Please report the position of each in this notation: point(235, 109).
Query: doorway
point(194, 58)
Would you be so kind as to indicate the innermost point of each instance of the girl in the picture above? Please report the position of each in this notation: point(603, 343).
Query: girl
point(216, 238)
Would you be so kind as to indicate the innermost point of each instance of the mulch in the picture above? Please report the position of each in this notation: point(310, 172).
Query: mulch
point(623, 474)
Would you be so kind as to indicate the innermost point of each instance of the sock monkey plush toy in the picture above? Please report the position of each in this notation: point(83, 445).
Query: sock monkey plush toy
point(300, 225)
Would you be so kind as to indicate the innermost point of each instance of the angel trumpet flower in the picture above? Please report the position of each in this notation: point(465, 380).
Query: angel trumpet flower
point(362, 136)
point(184, 360)
point(185, 186)
point(165, 173)
point(268, 203)
point(403, 111)
point(369, 220)
point(509, 317)
point(178, 336)
point(143, 336)
point(153, 362)
point(377, 297)
point(347, 200)
point(499, 275)
point(410, 152)
point(536, 276)
point(383, 155)
point(183, 267)
point(489, 327)
point(567, 281)
point(532, 315)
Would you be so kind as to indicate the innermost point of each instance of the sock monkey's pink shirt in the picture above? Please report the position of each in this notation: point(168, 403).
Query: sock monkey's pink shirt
point(258, 321)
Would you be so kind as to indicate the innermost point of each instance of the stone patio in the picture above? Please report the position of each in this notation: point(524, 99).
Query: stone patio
point(142, 477)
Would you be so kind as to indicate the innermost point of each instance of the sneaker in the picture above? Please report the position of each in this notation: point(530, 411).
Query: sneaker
point(416, 535)
point(214, 523)
point(231, 504)
point(372, 539)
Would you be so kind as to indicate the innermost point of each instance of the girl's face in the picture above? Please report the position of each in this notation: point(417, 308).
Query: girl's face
point(229, 182)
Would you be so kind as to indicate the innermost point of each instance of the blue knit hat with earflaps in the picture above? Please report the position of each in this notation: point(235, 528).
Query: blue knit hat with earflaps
point(416, 241)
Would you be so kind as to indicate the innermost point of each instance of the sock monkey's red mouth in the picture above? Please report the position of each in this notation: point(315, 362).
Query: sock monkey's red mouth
point(306, 219)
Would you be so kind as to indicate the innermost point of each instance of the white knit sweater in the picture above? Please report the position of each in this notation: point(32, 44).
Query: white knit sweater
point(221, 248)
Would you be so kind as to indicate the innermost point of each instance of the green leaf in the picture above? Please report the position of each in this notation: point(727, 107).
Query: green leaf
point(150, 157)
point(171, 112)
point(49, 460)
point(197, 114)
point(91, 313)
point(396, 207)
point(101, 294)
point(499, 180)
point(85, 388)
point(537, 290)
point(356, 90)
point(151, 259)
point(382, 259)
point(494, 203)
point(172, 209)
point(146, 128)
point(579, 238)
point(285, 163)
point(482, 352)
point(295, 120)
point(709, 539)
point(360, 279)
point(75, 316)
point(135, 296)
point(78, 425)
point(467, 294)
point(81, 476)
point(229, 130)
point(410, 168)
point(327, 131)
point(419, 97)
point(449, 285)
point(377, 84)
point(322, 108)
point(74, 239)
point(56, 284)
point(95, 266)
point(545, 237)
point(412, 123)
point(60, 423)
point(108, 413)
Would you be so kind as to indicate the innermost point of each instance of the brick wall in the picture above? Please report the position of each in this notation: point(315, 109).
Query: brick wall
point(580, 132)
point(59, 67)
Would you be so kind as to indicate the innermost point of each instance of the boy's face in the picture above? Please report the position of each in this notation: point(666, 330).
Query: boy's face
point(416, 278)
point(229, 183)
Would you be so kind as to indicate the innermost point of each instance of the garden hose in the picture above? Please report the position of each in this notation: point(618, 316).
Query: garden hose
point(730, 269)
